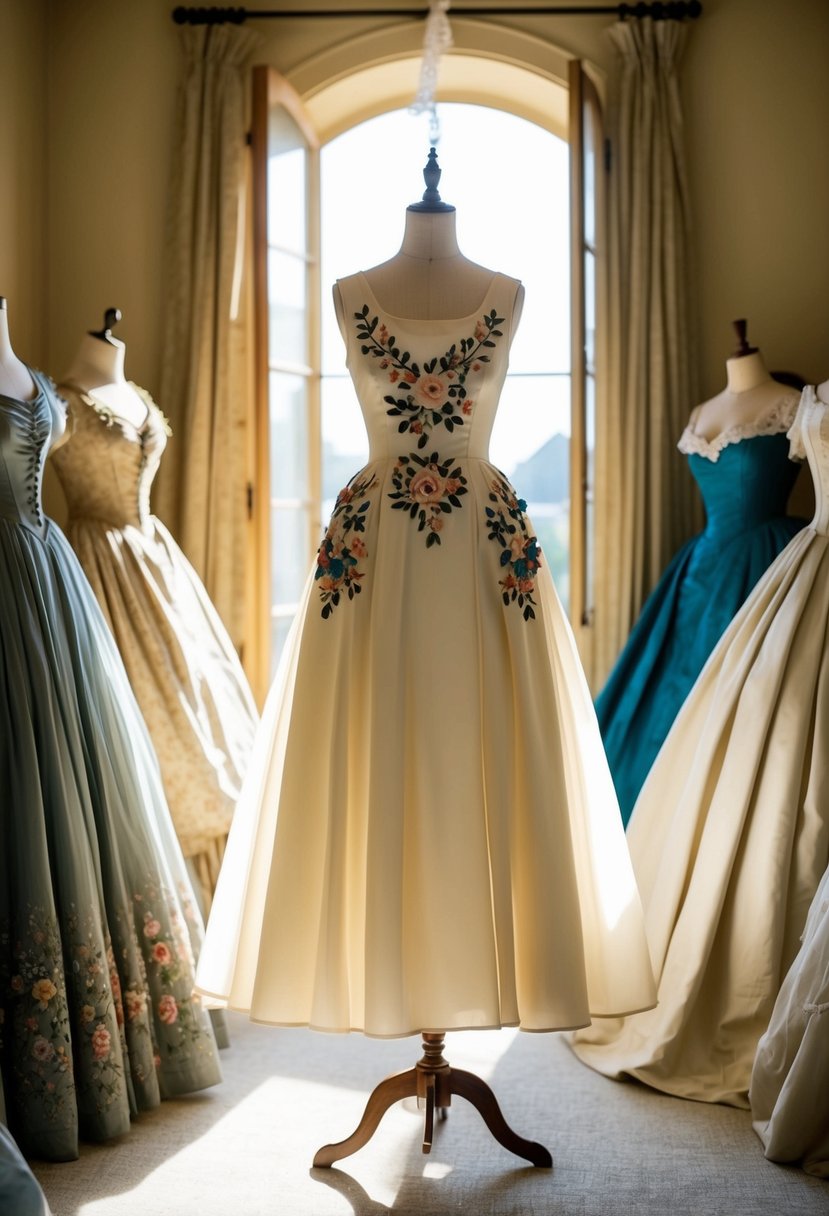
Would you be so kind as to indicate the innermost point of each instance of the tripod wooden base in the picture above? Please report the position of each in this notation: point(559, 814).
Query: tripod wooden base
point(432, 1081)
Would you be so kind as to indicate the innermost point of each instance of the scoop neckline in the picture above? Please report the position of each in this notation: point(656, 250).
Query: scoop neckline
point(430, 320)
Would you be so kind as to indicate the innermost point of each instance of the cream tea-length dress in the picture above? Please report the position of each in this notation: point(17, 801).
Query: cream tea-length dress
point(429, 836)
point(730, 835)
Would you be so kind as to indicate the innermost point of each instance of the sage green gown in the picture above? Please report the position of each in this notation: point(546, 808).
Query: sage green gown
point(98, 929)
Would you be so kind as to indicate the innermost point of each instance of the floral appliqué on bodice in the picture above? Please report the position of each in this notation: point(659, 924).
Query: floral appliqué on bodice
point(436, 394)
point(433, 393)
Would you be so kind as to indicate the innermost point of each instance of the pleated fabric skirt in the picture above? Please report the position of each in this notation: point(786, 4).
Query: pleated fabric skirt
point(98, 929)
point(428, 838)
point(730, 839)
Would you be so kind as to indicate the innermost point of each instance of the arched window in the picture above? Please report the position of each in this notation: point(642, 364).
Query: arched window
point(506, 158)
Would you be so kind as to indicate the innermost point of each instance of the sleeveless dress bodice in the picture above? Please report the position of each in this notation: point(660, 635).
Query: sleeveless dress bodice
point(108, 469)
point(746, 487)
point(27, 430)
point(428, 382)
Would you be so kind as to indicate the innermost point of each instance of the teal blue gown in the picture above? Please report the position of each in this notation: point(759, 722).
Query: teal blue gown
point(98, 931)
point(745, 482)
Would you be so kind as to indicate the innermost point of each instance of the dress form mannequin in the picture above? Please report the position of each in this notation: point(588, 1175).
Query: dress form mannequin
point(749, 394)
point(15, 378)
point(429, 278)
point(98, 369)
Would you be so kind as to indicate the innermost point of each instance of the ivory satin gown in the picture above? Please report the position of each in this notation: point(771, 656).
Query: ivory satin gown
point(730, 835)
point(428, 837)
point(789, 1090)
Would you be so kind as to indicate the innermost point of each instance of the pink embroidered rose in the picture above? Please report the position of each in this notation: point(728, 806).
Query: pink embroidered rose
point(328, 583)
point(468, 406)
point(452, 485)
point(152, 927)
point(509, 582)
point(525, 585)
point(416, 428)
point(345, 495)
point(42, 1049)
point(394, 376)
point(430, 390)
point(384, 363)
point(476, 367)
point(409, 377)
point(358, 547)
point(480, 331)
point(43, 991)
point(87, 1014)
point(427, 487)
point(100, 1042)
point(168, 1009)
point(161, 954)
point(136, 1002)
point(436, 523)
point(382, 335)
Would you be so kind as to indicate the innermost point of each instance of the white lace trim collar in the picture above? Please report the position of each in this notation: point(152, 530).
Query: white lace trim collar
point(775, 421)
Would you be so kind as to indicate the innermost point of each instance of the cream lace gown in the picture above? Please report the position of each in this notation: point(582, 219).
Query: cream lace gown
point(730, 835)
point(180, 661)
point(428, 837)
point(789, 1090)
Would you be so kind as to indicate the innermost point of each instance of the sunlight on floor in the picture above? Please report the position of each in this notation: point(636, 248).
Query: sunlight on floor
point(277, 1126)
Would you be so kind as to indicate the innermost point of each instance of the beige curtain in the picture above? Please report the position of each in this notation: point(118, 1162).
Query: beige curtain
point(646, 503)
point(205, 381)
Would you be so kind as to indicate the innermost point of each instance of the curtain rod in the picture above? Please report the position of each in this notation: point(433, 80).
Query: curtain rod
point(667, 10)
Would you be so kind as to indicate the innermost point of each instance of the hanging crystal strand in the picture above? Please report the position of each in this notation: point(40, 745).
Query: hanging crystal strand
point(437, 38)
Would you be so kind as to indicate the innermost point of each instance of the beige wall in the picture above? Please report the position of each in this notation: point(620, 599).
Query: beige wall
point(757, 110)
point(23, 175)
point(113, 68)
point(757, 113)
point(89, 146)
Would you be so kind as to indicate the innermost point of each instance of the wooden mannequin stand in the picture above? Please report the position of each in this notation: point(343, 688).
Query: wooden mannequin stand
point(432, 1081)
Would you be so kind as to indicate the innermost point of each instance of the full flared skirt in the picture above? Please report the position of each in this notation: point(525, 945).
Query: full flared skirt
point(184, 671)
point(789, 1091)
point(98, 930)
point(684, 617)
point(428, 837)
point(729, 840)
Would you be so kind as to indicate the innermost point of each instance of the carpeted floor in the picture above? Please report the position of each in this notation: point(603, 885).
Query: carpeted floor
point(245, 1148)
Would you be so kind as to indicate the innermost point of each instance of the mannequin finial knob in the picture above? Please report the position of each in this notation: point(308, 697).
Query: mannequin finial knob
point(431, 200)
point(111, 317)
point(742, 348)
